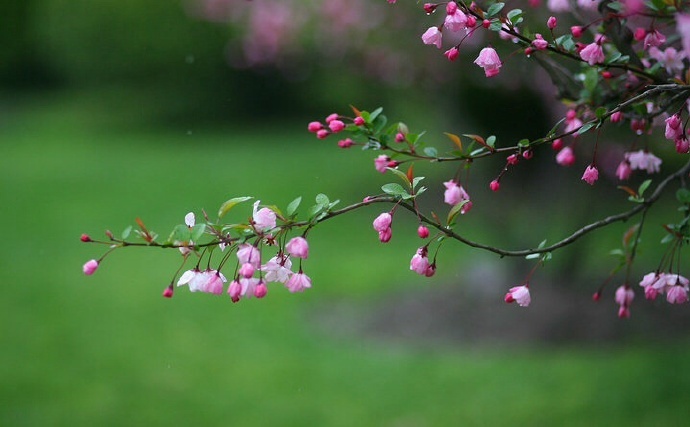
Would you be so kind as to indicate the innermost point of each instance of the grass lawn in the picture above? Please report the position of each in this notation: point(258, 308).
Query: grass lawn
point(109, 350)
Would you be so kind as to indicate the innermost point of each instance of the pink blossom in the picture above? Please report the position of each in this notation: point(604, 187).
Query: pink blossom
point(451, 7)
point(682, 145)
point(455, 21)
point(654, 39)
point(260, 290)
point(455, 194)
point(419, 262)
point(214, 282)
point(383, 221)
point(565, 157)
point(616, 117)
point(381, 163)
point(359, 121)
point(673, 127)
point(572, 122)
point(576, 31)
point(331, 117)
point(298, 247)
point(246, 270)
point(433, 36)
point(90, 267)
point(593, 54)
point(264, 218)
point(247, 253)
point(519, 294)
point(677, 294)
point(298, 282)
point(683, 28)
point(643, 160)
point(539, 43)
point(558, 5)
point(624, 295)
point(623, 171)
point(277, 269)
point(670, 59)
point(488, 59)
point(345, 143)
point(385, 235)
point(591, 175)
point(235, 290)
point(249, 286)
point(322, 134)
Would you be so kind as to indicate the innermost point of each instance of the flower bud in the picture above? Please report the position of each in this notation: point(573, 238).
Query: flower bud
point(345, 143)
point(85, 238)
point(385, 235)
point(430, 8)
point(331, 117)
point(399, 137)
point(422, 232)
point(322, 134)
point(359, 121)
point(260, 290)
point(336, 126)
point(168, 292)
point(452, 54)
point(616, 117)
point(298, 247)
point(551, 22)
point(557, 144)
point(314, 127)
point(247, 270)
point(90, 267)
point(495, 185)
point(576, 31)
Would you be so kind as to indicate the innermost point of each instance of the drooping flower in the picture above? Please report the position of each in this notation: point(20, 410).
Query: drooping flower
point(433, 36)
point(591, 175)
point(381, 163)
point(247, 253)
point(90, 267)
point(654, 39)
point(383, 221)
point(246, 270)
point(455, 194)
point(298, 282)
point(419, 262)
point(456, 21)
point(519, 294)
point(643, 160)
point(677, 294)
point(624, 170)
point(670, 59)
point(277, 269)
point(452, 54)
point(488, 59)
point(214, 282)
point(673, 127)
point(422, 232)
point(565, 157)
point(264, 218)
point(248, 286)
point(298, 247)
point(593, 52)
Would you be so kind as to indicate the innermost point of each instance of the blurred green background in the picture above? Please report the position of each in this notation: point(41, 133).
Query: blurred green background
point(118, 110)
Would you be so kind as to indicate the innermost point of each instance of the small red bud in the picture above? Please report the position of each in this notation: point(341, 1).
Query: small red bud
point(576, 31)
point(557, 144)
point(529, 51)
point(85, 238)
point(486, 23)
point(430, 8)
point(399, 137)
point(551, 22)
point(168, 292)
point(527, 154)
point(495, 185)
point(596, 296)
point(109, 234)
point(509, 298)
point(606, 74)
point(513, 159)
point(422, 232)
point(359, 121)
point(639, 34)
point(393, 164)
point(471, 21)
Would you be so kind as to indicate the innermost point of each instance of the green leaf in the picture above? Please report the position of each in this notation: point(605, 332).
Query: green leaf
point(292, 207)
point(181, 233)
point(374, 114)
point(491, 141)
point(585, 128)
point(322, 199)
point(515, 16)
point(591, 79)
point(494, 9)
point(394, 189)
point(225, 207)
point(600, 112)
point(126, 232)
point(416, 181)
point(454, 211)
point(523, 143)
point(431, 152)
point(683, 195)
point(198, 231)
point(643, 187)
point(400, 174)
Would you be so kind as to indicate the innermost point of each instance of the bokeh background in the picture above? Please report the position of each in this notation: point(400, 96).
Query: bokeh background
point(114, 110)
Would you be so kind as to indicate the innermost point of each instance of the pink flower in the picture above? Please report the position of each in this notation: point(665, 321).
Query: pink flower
point(623, 171)
point(591, 175)
point(519, 294)
point(322, 134)
point(551, 22)
point(455, 21)
point(249, 286)
point(383, 221)
point(90, 267)
point(345, 143)
point(381, 163)
point(677, 294)
point(673, 127)
point(260, 290)
point(385, 235)
point(682, 145)
point(624, 295)
point(593, 54)
point(488, 59)
point(247, 253)
point(235, 291)
point(247, 270)
point(298, 247)
point(455, 194)
point(654, 39)
point(192, 278)
point(264, 218)
point(419, 262)
point(359, 121)
point(643, 160)
point(277, 269)
point(433, 36)
point(616, 117)
point(565, 157)
point(298, 282)
point(670, 59)
point(572, 123)
point(214, 282)
point(539, 43)
point(331, 117)
point(576, 31)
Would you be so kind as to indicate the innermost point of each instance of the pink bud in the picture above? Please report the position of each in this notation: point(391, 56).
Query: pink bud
point(616, 117)
point(451, 8)
point(596, 296)
point(168, 292)
point(513, 159)
point(551, 22)
point(527, 154)
point(235, 290)
point(385, 235)
point(314, 127)
point(471, 21)
point(358, 121)
point(247, 270)
point(557, 144)
point(639, 34)
point(383, 221)
point(85, 238)
point(591, 175)
point(260, 290)
point(399, 137)
point(336, 126)
point(576, 31)
point(331, 117)
point(345, 143)
point(430, 8)
point(90, 267)
point(495, 185)
point(452, 54)
point(422, 232)
point(486, 23)
point(606, 74)
point(298, 247)
point(430, 270)
point(565, 157)
point(682, 145)
point(322, 134)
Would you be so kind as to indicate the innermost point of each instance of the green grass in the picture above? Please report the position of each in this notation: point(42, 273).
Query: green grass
point(109, 350)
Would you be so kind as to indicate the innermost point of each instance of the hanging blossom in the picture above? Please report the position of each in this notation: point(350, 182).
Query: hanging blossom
point(488, 59)
point(455, 194)
point(264, 218)
point(643, 160)
point(519, 294)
